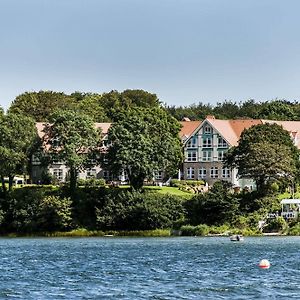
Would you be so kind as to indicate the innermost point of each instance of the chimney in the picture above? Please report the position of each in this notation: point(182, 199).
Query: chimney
point(210, 117)
point(185, 119)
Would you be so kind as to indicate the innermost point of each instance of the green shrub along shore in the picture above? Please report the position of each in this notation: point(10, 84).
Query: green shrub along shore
point(101, 211)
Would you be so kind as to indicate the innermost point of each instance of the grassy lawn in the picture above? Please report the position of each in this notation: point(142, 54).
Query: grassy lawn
point(168, 190)
point(163, 190)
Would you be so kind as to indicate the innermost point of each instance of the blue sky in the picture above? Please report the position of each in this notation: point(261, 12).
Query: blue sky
point(185, 51)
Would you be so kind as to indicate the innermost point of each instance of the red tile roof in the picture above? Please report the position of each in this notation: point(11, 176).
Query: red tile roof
point(188, 127)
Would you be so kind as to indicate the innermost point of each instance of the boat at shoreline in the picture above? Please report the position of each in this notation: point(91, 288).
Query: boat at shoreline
point(236, 238)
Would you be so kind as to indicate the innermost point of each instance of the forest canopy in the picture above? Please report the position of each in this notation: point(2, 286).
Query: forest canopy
point(106, 107)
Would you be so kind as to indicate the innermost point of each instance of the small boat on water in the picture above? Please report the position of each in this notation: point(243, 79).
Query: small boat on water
point(237, 238)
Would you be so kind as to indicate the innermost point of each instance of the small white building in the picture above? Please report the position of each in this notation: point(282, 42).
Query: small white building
point(290, 208)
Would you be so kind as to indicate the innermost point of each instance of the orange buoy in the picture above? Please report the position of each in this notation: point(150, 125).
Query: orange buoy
point(264, 264)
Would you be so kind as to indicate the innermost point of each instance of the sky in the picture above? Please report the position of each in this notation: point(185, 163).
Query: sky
point(185, 51)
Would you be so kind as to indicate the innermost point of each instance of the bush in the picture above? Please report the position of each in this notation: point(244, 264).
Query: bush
point(215, 207)
point(188, 230)
point(202, 230)
point(138, 211)
point(294, 230)
point(276, 225)
point(54, 214)
point(92, 182)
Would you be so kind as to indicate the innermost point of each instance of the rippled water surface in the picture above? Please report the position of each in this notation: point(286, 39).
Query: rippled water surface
point(149, 268)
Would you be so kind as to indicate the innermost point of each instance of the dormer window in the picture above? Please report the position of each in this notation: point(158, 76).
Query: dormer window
point(207, 129)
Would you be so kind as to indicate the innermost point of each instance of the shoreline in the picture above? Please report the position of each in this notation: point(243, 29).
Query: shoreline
point(83, 233)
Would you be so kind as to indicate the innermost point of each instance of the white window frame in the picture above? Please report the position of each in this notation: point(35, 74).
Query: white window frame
point(58, 174)
point(192, 143)
point(207, 129)
point(158, 175)
point(202, 173)
point(192, 155)
point(222, 143)
point(214, 172)
point(190, 173)
point(207, 142)
point(205, 156)
point(226, 173)
point(221, 155)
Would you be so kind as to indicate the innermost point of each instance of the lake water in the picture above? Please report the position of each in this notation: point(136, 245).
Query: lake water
point(149, 268)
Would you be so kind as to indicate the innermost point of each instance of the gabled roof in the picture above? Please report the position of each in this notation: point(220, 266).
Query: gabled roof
point(188, 127)
point(104, 127)
point(293, 127)
point(231, 130)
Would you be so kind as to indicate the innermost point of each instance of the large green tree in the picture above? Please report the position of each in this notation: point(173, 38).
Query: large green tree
point(277, 110)
point(73, 139)
point(265, 153)
point(41, 105)
point(144, 140)
point(17, 135)
point(115, 102)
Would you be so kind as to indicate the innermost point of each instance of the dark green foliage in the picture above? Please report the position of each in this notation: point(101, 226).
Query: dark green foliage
point(276, 225)
point(139, 211)
point(84, 205)
point(90, 104)
point(227, 110)
point(54, 213)
point(35, 209)
point(199, 230)
point(41, 105)
point(215, 207)
point(273, 110)
point(277, 110)
point(143, 141)
point(266, 154)
point(193, 112)
point(17, 136)
point(115, 103)
point(73, 139)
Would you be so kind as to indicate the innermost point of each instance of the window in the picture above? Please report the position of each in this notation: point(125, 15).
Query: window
point(105, 143)
point(225, 173)
point(222, 143)
point(206, 155)
point(207, 142)
point(192, 143)
point(214, 172)
point(107, 175)
point(207, 129)
point(91, 173)
point(123, 175)
point(192, 156)
point(221, 155)
point(35, 159)
point(92, 161)
point(55, 142)
point(158, 175)
point(190, 173)
point(202, 173)
point(58, 173)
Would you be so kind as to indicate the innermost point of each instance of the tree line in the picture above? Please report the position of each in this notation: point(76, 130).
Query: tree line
point(106, 107)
